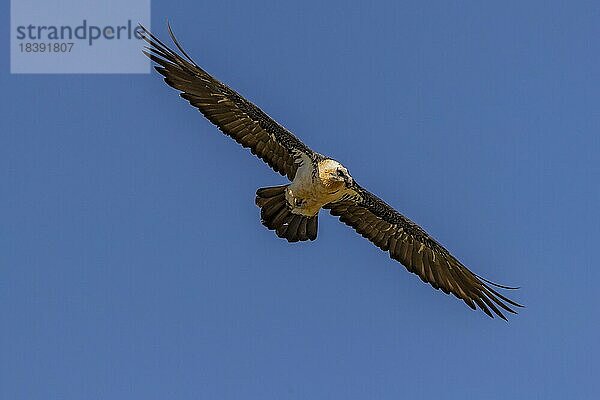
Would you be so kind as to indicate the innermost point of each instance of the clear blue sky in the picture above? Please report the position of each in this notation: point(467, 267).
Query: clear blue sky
point(133, 263)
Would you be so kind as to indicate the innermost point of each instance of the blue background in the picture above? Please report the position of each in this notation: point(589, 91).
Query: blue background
point(133, 263)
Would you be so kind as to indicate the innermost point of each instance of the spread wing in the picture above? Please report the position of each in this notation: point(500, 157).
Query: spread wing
point(409, 244)
point(231, 113)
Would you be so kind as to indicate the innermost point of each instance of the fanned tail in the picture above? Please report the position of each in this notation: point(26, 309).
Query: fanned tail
point(276, 214)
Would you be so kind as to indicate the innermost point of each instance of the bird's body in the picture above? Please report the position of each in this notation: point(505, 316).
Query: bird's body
point(319, 182)
point(292, 210)
point(316, 184)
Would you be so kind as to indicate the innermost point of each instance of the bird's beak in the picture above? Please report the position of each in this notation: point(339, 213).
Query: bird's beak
point(348, 181)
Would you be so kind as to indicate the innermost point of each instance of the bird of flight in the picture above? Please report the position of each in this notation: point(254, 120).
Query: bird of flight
point(317, 182)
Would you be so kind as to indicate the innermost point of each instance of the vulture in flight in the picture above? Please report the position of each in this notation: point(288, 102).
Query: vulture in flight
point(317, 182)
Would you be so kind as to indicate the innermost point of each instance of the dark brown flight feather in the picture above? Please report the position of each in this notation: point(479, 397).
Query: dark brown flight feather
point(231, 113)
point(409, 244)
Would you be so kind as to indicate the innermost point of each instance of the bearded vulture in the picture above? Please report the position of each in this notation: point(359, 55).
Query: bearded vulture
point(317, 182)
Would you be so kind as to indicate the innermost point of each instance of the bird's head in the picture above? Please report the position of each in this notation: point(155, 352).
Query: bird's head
point(334, 175)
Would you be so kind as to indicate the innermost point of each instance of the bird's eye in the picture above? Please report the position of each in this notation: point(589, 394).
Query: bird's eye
point(340, 173)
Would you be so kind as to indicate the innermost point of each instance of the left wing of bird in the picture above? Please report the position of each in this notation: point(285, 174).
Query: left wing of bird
point(409, 244)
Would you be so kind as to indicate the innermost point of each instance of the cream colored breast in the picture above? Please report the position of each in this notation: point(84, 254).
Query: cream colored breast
point(307, 194)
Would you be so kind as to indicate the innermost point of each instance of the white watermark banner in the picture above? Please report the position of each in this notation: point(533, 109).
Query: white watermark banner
point(78, 36)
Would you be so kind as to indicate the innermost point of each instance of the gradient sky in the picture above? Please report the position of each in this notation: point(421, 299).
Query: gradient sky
point(133, 263)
